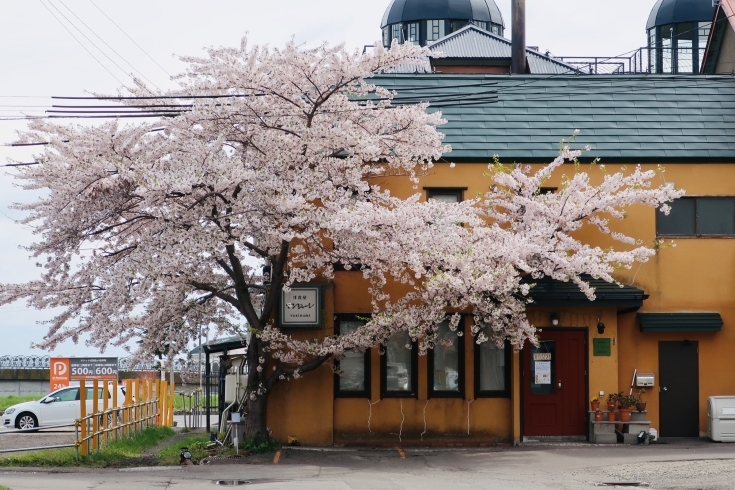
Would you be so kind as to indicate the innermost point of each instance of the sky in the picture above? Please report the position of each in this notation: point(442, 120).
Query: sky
point(40, 58)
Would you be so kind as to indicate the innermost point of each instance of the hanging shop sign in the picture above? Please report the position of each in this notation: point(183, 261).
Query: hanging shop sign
point(301, 306)
point(64, 370)
point(600, 347)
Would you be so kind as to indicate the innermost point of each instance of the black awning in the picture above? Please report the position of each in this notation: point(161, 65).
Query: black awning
point(549, 292)
point(680, 322)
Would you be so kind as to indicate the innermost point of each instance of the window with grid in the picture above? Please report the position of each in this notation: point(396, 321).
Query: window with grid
point(446, 363)
point(397, 32)
point(413, 33)
point(434, 30)
point(353, 371)
point(698, 217)
point(386, 37)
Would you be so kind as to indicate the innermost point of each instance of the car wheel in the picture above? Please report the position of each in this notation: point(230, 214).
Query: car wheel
point(26, 421)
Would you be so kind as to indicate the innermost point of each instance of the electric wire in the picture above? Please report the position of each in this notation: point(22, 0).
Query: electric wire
point(81, 44)
point(88, 39)
point(131, 39)
point(105, 43)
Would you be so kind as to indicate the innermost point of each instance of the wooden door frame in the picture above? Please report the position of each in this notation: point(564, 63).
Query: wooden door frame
point(586, 331)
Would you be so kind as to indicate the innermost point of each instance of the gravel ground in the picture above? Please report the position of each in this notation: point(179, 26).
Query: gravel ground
point(8, 440)
point(714, 474)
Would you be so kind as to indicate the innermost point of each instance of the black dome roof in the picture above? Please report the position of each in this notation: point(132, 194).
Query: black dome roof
point(415, 10)
point(675, 11)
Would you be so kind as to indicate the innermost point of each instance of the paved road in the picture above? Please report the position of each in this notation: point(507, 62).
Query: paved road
point(680, 465)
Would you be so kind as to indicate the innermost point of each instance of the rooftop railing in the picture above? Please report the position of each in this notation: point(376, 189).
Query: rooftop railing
point(665, 60)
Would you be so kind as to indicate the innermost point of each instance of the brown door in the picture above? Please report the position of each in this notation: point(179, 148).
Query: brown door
point(554, 384)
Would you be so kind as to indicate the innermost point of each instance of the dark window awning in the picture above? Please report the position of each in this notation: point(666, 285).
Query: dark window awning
point(680, 322)
point(549, 292)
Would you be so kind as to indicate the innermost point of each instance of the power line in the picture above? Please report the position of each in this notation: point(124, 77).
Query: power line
point(105, 43)
point(80, 43)
point(126, 34)
point(88, 39)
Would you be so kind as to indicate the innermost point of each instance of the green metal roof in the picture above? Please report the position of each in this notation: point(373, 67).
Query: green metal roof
point(667, 118)
point(680, 322)
point(549, 292)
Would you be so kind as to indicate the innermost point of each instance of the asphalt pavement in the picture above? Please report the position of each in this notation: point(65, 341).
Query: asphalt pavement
point(679, 464)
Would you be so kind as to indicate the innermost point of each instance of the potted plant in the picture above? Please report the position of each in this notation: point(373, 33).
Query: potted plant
point(640, 404)
point(595, 403)
point(598, 415)
point(627, 402)
point(612, 401)
point(612, 416)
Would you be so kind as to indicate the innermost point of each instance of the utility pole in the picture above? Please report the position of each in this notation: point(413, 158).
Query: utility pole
point(518, 38)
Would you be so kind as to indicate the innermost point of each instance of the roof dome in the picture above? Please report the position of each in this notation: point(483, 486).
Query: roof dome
point(416, 10)
point(676, 11)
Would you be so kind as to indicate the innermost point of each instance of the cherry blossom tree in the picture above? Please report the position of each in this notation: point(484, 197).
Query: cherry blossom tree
point(149, 230)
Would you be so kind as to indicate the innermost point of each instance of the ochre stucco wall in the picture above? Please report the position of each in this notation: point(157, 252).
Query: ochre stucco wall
point(695, 275)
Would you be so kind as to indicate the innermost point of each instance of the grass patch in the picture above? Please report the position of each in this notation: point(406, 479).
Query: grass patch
point(9, 401)
point(124, 452)
point(170, 456)
point(180, 405)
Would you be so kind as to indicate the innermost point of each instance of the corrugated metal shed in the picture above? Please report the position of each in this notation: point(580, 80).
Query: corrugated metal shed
point(631, 118)
point(680, 322)
point(475, 43)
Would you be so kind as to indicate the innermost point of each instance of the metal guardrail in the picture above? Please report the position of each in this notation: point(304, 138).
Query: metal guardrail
point(147, 403)
point(653, 59)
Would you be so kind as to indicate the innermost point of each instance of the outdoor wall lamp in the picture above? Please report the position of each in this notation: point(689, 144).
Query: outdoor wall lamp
point(554, 319)
point(600, 328)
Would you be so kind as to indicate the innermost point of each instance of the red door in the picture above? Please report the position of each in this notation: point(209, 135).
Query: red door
point(554, 381)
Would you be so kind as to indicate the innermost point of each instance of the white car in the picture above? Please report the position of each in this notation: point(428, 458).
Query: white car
point(60, 407)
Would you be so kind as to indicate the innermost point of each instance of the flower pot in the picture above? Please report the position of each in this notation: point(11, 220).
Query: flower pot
point(598, 416)
point(625, 414)
point(641, 407)
point(612, 416)
point(595, 405)
point(611, 406)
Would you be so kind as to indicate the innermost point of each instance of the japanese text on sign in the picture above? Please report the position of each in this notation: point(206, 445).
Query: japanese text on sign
point(300, 306)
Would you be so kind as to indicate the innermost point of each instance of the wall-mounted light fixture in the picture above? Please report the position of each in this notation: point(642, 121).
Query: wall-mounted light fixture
point(554, 319)
point(600, 328)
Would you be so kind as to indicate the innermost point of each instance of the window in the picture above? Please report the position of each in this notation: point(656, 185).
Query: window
point(386, 36)
point(479, 23)
point(398, 373)
point(455, 25)
point(354, 380)
point(397, 33)
point(496, 29)
point(412, 34)
point(68, 395)
point(90, 392)
point(448, 195)
point(446, 363)
point(492, 369)
point(434, 30)
point(698, 217)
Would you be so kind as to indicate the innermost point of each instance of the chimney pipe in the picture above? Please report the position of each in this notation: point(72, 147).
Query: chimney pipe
point(518, 39)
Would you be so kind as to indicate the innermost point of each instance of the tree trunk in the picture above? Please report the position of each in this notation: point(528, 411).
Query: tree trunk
point(255, 419)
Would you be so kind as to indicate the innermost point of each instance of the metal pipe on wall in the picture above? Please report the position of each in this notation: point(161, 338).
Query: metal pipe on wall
point(518, 37)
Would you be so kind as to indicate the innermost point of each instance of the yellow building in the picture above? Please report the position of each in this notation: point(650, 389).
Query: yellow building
point(674, 319)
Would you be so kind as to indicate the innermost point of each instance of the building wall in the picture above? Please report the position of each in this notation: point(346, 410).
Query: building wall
point(726, 61)
point(470, 69)
point(695, 275)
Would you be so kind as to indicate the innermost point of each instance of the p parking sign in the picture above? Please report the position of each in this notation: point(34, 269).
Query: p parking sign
point(67, 369)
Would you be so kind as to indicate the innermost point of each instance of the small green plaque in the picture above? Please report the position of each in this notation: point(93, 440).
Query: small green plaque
point(600, 347)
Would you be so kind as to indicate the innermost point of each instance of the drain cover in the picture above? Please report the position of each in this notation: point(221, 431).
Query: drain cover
point(231, 482)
